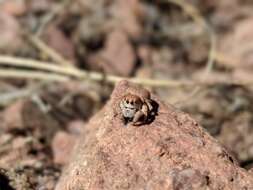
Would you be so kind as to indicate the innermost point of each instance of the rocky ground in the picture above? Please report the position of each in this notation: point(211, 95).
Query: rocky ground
point(41, 121)
point(170, 152)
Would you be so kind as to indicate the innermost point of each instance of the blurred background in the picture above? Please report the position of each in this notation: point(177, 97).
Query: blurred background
point(60, 59)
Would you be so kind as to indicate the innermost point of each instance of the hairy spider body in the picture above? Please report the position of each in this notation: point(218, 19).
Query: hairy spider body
point(135, 108)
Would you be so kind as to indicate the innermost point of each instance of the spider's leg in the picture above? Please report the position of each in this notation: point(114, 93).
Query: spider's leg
point(139, 118)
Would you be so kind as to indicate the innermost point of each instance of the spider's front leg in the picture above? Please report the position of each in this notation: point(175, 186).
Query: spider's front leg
point(140, 116)
point(149, 106)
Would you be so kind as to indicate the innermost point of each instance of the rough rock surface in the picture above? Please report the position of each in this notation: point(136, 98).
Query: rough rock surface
point(172, 152)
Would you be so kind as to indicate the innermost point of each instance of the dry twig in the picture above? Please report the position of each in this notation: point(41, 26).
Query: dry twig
point(51, 72)
point(10, 96)
point(51, 15)
point(39, 44)
point(43, 47)
point(27, 74)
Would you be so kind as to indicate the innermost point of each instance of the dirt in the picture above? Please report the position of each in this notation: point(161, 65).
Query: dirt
point(41, 121)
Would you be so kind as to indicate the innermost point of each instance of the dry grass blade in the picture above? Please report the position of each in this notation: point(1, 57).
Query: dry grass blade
point(60, 74)
point(55, 56)
point(24, 74)
point(12, 95)
point(51, 15)
point(39, 44)
point(41, 65)
point(76, 73)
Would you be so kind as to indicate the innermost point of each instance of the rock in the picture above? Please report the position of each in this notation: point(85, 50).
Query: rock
point(251, 171)
point(11, 37)
point(237, 135)
point(172, 152)
point(13, 7)
point(57, 40)
point(39, 6)
point(25, 117)
point(188, 179)
point(240, 38)
point(128, 15)
point(145, 54)
point(75, 127)
point(62, 146)
point(118, 55)
point(12, 116)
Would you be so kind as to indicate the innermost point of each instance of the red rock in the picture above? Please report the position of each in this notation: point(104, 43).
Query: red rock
point(251, 171)
point(26, 115)
point(118, 56)
point(10, 38)
point(62, 146)
point(236, 134)
point(145, 54)
point(75, 127)
point(128, 14)
point(15, 8)
point(39, 5)
point(237, 45)
point(188, 179)
point(172, 152)
point(12, 116)
point(56, 39)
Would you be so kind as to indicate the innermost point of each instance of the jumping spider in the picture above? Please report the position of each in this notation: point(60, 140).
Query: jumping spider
point(136, 109)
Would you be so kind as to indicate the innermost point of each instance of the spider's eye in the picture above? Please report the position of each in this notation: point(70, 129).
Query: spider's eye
point(132, 103)
point(127, 101)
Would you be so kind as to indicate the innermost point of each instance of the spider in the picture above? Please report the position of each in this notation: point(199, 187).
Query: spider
point(136, 109)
